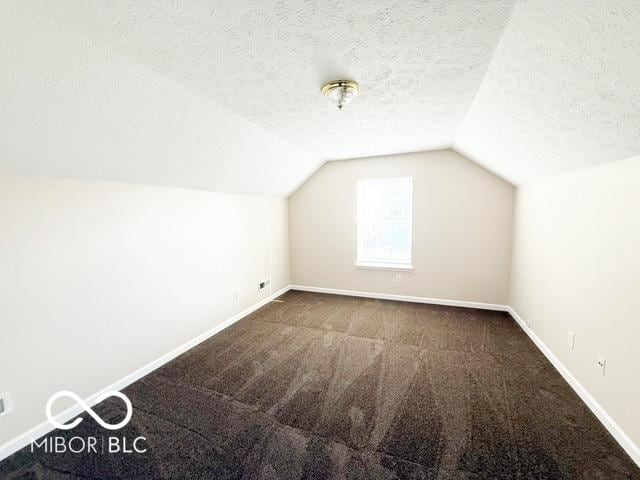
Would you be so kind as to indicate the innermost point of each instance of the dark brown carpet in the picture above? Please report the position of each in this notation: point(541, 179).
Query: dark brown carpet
point(320, 386)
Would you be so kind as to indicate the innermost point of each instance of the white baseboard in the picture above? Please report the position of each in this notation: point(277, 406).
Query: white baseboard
point(44, 428)
point(403, 298)
point(614, 429)
point(620, 436)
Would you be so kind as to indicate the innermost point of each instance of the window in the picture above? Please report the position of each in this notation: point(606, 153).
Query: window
point(384, 223)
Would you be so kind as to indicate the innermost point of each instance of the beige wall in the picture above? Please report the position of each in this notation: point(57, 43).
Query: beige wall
point(97, 279)
point(576, 267)
point(462, 228)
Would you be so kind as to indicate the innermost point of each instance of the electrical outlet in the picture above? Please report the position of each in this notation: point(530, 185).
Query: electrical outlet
point(571, 339)
point(602, 363)
point(237, 294)
point(6, 404)
point(397, 278)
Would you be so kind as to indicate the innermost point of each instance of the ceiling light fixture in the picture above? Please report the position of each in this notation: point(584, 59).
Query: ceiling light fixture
point(341, 92)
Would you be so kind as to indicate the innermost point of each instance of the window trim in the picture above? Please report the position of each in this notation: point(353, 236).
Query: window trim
point(384, 265)
point(404, 267)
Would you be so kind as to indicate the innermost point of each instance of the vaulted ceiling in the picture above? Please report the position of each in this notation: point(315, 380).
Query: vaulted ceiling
point(225, 95)
point(562, 90)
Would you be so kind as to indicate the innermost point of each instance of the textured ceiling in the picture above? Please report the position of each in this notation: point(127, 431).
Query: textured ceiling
point(224, 95)
point(73, 107)
point(562, 91)
point(419, 63)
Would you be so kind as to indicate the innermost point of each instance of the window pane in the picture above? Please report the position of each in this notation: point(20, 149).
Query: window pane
point(384, 221)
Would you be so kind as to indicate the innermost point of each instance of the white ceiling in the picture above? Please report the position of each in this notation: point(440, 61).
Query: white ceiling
point(562, 91)
point(225, 95)
point(73, 107)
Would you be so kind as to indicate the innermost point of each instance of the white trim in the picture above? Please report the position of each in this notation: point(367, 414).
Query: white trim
point(403, 298)
point(359, 222)
point(38, 431)
point(384, 266)
point(614, 429)
point(609, 423)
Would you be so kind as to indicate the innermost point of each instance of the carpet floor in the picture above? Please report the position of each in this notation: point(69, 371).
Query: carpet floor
point(317, 386)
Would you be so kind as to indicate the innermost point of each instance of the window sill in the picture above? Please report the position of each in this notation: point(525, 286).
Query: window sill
point(383, 266)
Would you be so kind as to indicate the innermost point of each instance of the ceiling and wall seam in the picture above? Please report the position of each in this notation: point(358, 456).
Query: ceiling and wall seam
point(115, 90)
point(561, 92)
point(95, 113)
point(237, 55)
point(484, 76)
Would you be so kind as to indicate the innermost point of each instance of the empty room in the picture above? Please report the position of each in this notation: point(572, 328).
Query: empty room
point(305, 239)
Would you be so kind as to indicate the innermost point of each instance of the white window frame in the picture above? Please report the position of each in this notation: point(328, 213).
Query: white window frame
point(383, 264)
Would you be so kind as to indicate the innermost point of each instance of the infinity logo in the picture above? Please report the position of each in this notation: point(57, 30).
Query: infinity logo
point(89, 410)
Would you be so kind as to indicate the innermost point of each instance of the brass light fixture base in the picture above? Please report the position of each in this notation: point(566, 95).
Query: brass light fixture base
point(341, 91)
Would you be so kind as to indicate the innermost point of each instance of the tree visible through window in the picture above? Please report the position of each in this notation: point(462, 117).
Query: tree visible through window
point(384, 222)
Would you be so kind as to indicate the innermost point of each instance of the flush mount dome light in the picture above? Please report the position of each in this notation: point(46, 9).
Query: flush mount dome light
point(341, 92)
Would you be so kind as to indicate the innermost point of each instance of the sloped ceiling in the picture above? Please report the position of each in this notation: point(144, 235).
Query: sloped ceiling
point(73, 107)
point(224, 95)
point(562, 91)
